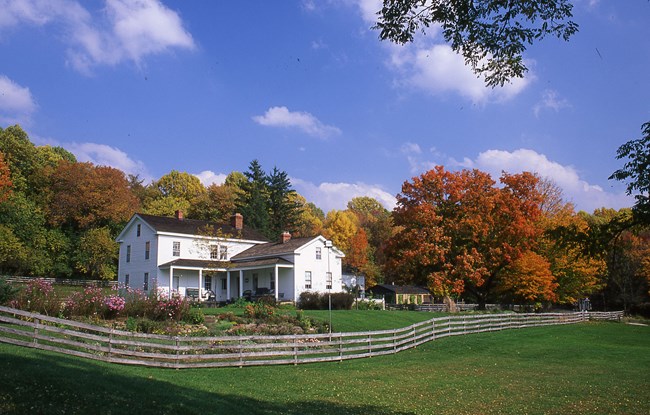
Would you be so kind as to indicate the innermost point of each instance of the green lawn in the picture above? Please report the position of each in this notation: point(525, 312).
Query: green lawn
point(590, 368)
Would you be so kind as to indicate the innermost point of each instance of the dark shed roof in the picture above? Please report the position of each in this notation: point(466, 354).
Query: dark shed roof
point(398, 289)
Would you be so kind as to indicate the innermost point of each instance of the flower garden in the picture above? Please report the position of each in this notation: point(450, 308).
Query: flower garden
point(134, 310)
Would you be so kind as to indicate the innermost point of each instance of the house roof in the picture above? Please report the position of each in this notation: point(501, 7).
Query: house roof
point(400, 289)
point(273, 248)
point(199, 227)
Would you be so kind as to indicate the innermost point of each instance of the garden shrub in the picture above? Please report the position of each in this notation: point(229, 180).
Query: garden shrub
point(7, 292)
point(309, 301)
point(194, 316)
point(38, 296)
point(341, 301)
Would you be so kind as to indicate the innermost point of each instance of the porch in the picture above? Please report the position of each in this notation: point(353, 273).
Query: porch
point(226, 281)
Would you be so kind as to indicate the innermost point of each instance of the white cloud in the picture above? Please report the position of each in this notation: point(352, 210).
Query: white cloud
point(103, 155)
point(125, 30)
point(16, 102)
point(410, 148)
point(209, 177)
point(282, 117)
point(438, 70)
point(584, 195)
point(330, 196)
point(550, 100)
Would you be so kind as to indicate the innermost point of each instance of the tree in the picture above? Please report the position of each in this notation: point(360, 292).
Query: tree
point(5, 179)
point(284, 210)
point(181, 185)
point(357, 255)
point(340, 227)
point(458, 230)
point(96, 254)
point(636, 171)
point(217, 204)
point(86, 196)
point(490, 34)
point(310, 221)
point(528, 279)
point(253, 200)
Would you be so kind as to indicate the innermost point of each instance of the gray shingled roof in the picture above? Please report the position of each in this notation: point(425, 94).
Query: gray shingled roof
point(197, 227)
point(207, 264)
point(272, 248)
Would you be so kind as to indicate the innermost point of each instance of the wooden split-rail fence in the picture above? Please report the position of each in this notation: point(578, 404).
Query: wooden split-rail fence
point(116, 346)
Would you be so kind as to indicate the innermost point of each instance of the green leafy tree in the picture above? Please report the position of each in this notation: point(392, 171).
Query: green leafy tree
point(96, 254)
point(490, 34)
point(636, 171)
point(217, 204)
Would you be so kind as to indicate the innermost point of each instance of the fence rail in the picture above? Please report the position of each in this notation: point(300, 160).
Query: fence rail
point(110, 345)
point(61, 281)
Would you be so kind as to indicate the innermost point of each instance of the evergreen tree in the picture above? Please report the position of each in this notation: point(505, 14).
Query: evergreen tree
point(253, 200)
point(284, 208)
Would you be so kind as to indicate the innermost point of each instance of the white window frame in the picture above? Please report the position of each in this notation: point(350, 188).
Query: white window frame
point(147, 250)
point(223, 252)
point(128, 253)
point(138, 230)
point(145, 286)
point(319, 253)
point(126, 280)
point(328, 280)
point(176, 248)
point(207, 283)
point(214, 251)
point(308, 281)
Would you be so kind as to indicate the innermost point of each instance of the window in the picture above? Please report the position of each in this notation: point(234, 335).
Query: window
point(308, 280)
point(214, 251)
point(224, 284)
point(272, 280)
point(207, 284)
point(138, 230)
point(176, 248)
point(223, 252)
point(146, 281)
point(255, 282)
point(126, 281)
point(147, 249)
point(318, 253)
point(328, 280)
point(128, 253)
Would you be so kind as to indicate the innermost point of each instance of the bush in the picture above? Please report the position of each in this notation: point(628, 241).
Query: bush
point(316, 301)
point(7, 292)
point(194, 316)
point(309, 301)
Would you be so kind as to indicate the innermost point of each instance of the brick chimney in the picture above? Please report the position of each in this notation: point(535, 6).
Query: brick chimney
point(237, 221)
point(179, 214)
point(286, 237)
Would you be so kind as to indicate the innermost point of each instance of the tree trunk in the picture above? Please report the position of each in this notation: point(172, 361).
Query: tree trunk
point(450, 303)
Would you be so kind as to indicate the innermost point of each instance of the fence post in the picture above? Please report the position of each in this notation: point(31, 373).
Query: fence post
point(433, 329)
point(369, 345)
point(110, 342)
point(340, 347)
point(414, 341)
point(177, 341)
point(37, 321)
point(295, 350)
point(241, 361)
point(394, 341)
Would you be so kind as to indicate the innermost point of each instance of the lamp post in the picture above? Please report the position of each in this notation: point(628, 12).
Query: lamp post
point(328, 245)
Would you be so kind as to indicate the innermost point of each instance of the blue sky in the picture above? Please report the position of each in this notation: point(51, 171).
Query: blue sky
point(148, 86)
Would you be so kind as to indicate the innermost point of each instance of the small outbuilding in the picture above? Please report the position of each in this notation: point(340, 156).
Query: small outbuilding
point(402, 294)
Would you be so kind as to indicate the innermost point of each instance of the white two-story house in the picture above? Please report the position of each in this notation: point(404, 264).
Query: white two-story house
point(223, 261)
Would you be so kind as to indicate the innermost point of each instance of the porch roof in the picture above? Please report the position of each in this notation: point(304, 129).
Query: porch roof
point(226, 265)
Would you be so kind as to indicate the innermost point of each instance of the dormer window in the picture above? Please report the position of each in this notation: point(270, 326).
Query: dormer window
point(214, 251)
point(223, 252)
point(176, 248)
point(319, 253)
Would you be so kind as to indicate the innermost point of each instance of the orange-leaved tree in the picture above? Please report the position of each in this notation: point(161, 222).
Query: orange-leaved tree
point(5, 179)
point(459, 230)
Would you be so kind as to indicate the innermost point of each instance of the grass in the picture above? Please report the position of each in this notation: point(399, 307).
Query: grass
point(590, 368)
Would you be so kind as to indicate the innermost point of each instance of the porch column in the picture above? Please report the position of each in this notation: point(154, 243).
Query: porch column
point(241, 282)
point(228, 296)
point(277, 288)
point(200, 284)
point(171, 281)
